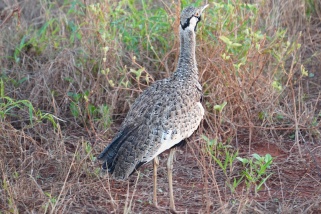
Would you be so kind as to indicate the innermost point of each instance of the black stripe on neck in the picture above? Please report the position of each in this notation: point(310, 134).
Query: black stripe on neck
point(186, 24)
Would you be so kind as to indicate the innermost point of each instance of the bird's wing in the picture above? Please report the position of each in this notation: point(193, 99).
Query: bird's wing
point(109, 153)
point(159, 118)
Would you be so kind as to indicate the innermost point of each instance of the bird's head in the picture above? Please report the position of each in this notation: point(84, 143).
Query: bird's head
point(190, 16)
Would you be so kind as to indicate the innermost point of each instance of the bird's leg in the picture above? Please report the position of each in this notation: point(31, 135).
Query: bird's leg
point(170, 179)
point(156, 163)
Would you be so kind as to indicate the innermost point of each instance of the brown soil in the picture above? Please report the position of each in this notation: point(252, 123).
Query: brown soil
point(294, 187)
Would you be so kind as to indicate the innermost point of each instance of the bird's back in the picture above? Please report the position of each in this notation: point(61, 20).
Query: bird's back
point(163, 115)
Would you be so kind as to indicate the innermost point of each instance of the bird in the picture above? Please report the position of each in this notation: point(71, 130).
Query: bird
point(165, 114)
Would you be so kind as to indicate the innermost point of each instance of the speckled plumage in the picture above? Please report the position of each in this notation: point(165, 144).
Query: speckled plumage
point(166, 113)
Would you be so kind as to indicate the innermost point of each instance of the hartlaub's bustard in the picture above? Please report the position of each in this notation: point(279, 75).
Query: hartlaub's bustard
point(166, 113)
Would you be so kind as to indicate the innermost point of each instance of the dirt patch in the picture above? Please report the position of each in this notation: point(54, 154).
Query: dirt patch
point(294, 186)
point(267, 148)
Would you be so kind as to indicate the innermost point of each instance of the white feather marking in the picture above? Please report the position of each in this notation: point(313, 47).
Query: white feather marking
point(201, 108)
point(168, 141)
point(192, 23)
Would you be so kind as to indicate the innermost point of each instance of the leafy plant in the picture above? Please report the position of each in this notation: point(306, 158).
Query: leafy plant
point(88, 150)
point(52, 200)
point(8, 105)
point(225, 158)
point(220, 108)
point(75, 103)
point(130, 25)
point(105, 118)
point(255, 170)
point(81, 108)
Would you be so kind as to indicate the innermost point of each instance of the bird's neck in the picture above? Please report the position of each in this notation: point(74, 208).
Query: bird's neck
point(187, 65)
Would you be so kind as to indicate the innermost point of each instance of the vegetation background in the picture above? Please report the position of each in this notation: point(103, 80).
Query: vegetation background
point(70, 70)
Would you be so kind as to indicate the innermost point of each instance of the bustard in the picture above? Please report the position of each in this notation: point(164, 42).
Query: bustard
point(165, 114)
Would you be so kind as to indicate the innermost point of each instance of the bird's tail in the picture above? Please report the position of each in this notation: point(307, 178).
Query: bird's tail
point(108, 156)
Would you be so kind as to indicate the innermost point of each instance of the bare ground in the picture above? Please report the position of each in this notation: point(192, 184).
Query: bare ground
point(60, 171)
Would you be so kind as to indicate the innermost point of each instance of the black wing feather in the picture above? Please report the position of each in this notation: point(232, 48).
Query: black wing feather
point(110, 152)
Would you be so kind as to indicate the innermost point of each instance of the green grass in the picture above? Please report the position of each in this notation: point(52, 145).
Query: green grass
point(143, 31)
point(9, 109)
point(255, 170)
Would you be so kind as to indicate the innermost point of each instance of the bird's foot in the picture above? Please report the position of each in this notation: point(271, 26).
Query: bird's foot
point(174, 211)
point(170, 209)
point(158, 207)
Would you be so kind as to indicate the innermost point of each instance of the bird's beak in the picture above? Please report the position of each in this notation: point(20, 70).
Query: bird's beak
point(203, 8)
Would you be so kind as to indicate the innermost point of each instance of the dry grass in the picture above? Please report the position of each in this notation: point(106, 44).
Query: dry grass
point(66, 70)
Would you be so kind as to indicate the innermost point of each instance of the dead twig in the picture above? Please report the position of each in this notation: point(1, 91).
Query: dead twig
point(15, 10)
